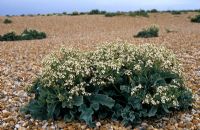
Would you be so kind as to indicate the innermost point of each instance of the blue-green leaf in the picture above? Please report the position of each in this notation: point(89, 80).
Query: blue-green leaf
point(152, 111)
point(68, 117)
point(103, 100)
point(125, 88)
point(86, 114)
point(95, 106)
point(78, 100)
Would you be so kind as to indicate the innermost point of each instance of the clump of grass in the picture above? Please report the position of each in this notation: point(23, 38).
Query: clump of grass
point(27, 34)
point(148, 32)
point(196, 19)
point(138, 13)
point(7, 21)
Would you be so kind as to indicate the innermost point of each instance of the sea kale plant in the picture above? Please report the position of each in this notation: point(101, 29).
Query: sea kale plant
point(149, 32)
point(196, 19)
point(120, 82)
point(7, 21)
point(27, 34)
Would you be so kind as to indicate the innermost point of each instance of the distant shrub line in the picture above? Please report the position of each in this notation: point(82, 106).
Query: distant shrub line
point(25, 35)
point(111, 14)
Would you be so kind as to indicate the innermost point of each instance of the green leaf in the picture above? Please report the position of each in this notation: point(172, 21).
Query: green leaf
point(131, 116)
point(86, 115)
point(152, 111)
point(68, 117)
point(51, 110)
point(125, 88)
point(165, 108)
point(95, 106)
point(136, 103)
point(103, 100)
point(78, 100)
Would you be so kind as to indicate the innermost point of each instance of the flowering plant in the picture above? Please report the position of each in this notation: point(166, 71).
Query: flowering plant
point(118, 81)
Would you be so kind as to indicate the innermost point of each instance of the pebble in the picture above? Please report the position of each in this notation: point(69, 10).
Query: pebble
point(61, 124)
point(83, 127)
point(45, 125)
point(6, 113)
point(144, 125)
point(98, 124)
point(165, 118)
point(17, 126)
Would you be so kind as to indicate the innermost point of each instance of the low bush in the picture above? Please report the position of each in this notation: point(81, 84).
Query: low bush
point(7, 21)
point(154, 11)
point(11, 36)
point(138, 13)
point(175, 12)
point(110, 14)
point(25, 35)
point(94, 11)
point(196, 19)
point(49, 15)
point(75, 13)
point(102, 12)
point(118, 81)
point(64, 13)
point(32, 34)
point(152, 31)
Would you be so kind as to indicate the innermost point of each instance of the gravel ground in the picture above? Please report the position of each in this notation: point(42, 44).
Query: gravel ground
point(20, 61)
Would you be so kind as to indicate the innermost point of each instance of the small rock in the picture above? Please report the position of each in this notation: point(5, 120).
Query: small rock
point(27, 116)
point(194, 121)
point(181, 124)
point(144, 125)
point(17, 126)
point(98, 124)
point(83, 127)
point(25, 124)
point(165, 118)
point(61, 124)
point(150, 127)
point(45, 125)
point(53, 127)
point(9, 119)
point(22, 128)
point(189, 125)
point(6, 113)
point(188, 119)
point(170, 127)
point(12, 123)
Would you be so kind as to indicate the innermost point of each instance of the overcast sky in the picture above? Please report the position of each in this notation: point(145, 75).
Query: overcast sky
point(13, 7)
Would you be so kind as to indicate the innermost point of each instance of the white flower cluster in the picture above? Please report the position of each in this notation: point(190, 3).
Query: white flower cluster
point(136, 89)
point(72, 69)
point(164, 95)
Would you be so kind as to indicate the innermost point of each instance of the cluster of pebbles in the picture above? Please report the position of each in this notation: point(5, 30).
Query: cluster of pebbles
point(20, 63)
